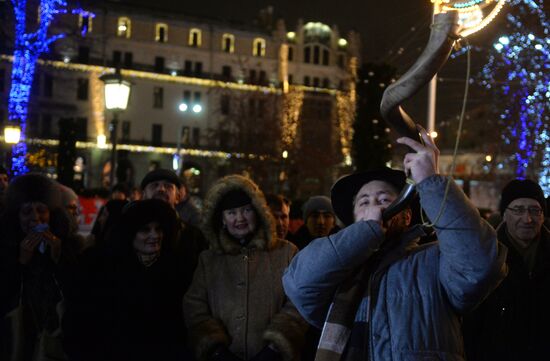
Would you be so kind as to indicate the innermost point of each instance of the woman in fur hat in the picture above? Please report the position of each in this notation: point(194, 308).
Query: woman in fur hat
point(236, 307)
point(147, 286)
point(37, 251)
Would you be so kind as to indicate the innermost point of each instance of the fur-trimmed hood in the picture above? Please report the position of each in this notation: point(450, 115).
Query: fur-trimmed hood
point(220, 241)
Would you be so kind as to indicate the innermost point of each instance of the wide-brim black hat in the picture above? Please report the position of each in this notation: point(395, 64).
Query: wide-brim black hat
point(345, 189)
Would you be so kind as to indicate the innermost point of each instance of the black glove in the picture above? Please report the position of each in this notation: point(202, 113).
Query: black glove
point(222, 353)
point(267, 354)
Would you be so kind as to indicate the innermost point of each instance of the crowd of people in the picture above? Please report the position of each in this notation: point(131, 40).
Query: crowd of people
point(158, 278)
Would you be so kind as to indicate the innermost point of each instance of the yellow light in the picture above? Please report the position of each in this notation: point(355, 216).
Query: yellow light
point(122, 28)
point(433, 134)
point(342, 42)
point(285, 154)
point(488, 158)
point(291, 35)
point(101, 141)
point(12, 134)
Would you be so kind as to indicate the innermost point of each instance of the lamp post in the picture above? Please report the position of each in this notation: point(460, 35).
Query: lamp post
point(117, 93)
point(177, 159)
point(12, 135)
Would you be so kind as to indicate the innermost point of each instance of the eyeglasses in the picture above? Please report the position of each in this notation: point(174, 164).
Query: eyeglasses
point(520, 211)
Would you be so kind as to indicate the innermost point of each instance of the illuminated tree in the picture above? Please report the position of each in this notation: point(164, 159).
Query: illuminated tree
point(29, 45)
point(518, 70)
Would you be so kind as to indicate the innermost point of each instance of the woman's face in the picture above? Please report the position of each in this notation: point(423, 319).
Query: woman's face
point(32, 214)
point(148, 239)
point(241, 221)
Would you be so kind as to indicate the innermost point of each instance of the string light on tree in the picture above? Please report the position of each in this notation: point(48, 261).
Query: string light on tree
point(517, 69)
point(28, 46)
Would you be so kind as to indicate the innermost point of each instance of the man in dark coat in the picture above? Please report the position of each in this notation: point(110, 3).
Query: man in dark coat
point(514, 322)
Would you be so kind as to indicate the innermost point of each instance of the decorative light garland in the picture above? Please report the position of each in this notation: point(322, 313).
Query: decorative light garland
point(346, 103)
point(518, 69)
point(291, 110)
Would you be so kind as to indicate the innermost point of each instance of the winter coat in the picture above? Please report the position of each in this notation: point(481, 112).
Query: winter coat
point(513, 323)
point(236, 298)
point(418, 293)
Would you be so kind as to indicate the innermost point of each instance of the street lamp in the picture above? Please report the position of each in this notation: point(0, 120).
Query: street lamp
point(117, 93)
point(183, 107)
point(12, 134)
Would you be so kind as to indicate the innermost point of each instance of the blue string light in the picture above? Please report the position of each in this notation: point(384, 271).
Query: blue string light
point(519, 68)
point(28, 47)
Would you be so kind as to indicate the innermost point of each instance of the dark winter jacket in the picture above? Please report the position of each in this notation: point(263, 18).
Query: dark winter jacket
point(514, 322)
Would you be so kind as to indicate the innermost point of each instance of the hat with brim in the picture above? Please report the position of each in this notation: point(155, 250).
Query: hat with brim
point(345, 189)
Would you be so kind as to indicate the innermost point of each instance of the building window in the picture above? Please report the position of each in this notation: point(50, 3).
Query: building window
point(316, 82)
point(228, 43)
point(126, 130)
point(36, 84)
point(196, 136)
point(258, 47)
point(187, 97)
point(156, 139)
point(316, 55)
point(161, 33)
point(226, 72)
point(47, 125)
point(128, 60)
point(158, 97)
point(159, 64)
point(290, 79)
point(326, 83)
point(307, 54)
point(197, 98)
point(262, 78)
point(84, 54)
point(124, 27)
point(48, 86)
point(2, 80)
point(225, 103)
point(84, 24)
point(307, 81)
point(81, 129)
point(82, 89)
point(32, 125)
point(198, 68)
point(195, 38)
point(326, 57)
point(188, 67)
point(252, 76)
point(184, 136)
point(290, 53)
point(341, 61)
point(117, 55)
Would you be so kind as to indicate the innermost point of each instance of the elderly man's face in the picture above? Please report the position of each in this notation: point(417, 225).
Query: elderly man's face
point(163, 190)
point(524, 219)
point(373, 198)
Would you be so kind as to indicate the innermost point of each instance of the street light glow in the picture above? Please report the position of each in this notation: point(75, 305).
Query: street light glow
point(101, 140)
point(285, 154)
point(183, 107)
point(433, 134)
point(12, 134)
point(197, 108)
point(488, 158)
